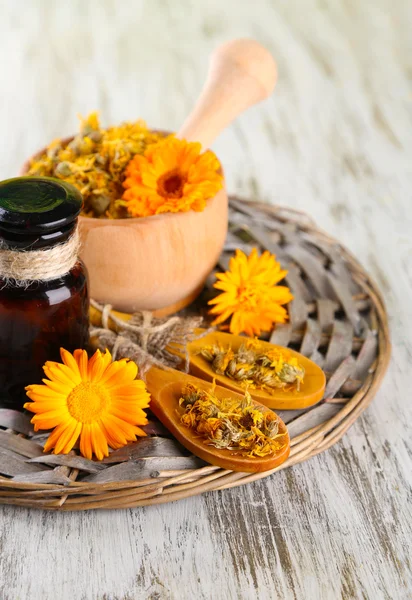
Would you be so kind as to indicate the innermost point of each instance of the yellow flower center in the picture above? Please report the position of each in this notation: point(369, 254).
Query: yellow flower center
point(88, 401)
point(247, 296)
point(170, 184)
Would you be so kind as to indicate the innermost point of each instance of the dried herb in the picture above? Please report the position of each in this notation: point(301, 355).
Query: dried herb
point(254, 366)
point(238, 425)
point(95, 162)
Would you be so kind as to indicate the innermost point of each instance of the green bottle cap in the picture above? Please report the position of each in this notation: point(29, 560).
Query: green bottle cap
point(37, 205)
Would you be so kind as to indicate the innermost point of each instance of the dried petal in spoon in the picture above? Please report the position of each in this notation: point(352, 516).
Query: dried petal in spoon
point(166, 386)
point(310, 392)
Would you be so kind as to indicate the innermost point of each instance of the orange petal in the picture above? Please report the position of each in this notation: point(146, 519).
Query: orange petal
point(142, 400)
point(42, 391)
point(62, 373)
point(82, 360)
point(58, 387)
point(133, 388)
point(85, 441)
point(54, 436)
point(112, 440)
point(50, 419)
point(73, 439)
point(140, 432)
point(126, 372)
point(111, 425)
point(133, 417)
point(98, 441)
point(44, 406)
point(68, 438)
point(95, 368)
point(70, 362)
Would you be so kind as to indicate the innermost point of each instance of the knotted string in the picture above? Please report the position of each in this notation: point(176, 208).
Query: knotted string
point(145, 339)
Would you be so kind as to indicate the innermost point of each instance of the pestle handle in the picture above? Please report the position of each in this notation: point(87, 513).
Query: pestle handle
point(241, 73)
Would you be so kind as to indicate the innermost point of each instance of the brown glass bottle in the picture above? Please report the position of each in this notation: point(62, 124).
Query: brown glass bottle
point(41, 316)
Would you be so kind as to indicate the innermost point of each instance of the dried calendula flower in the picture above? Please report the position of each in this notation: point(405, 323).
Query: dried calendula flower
point(95, 162)
point(254, 366)
point(238, 425)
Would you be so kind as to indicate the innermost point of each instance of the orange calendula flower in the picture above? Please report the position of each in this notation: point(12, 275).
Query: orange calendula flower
point(251, 298)
point(172, 176)
point(99, 400)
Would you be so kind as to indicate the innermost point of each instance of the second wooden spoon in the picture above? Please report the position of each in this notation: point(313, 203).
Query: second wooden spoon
point(166, 386)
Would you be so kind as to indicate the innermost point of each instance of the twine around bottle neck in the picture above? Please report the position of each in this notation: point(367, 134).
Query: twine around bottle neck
point(24, 266)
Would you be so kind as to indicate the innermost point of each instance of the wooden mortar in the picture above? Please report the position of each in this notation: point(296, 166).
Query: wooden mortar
point(160, 263)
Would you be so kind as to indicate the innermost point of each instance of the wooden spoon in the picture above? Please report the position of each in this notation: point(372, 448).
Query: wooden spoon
point(165, 387)
point(310, 392)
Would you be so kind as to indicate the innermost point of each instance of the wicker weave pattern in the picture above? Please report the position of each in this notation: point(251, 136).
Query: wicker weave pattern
point(337, 319)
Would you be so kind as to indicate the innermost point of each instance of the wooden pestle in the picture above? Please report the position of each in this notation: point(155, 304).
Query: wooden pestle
point(241, 73)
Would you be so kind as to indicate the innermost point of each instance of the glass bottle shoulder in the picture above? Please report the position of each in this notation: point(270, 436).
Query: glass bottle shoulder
point(51, 292)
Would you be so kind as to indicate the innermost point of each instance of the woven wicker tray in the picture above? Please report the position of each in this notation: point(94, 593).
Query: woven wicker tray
point(337, 319)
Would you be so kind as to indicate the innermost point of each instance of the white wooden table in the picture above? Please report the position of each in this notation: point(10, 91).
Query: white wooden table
point(335, 140)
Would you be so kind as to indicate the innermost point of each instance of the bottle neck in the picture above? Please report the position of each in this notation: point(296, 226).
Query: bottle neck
point(42, 264)
point(13, 239)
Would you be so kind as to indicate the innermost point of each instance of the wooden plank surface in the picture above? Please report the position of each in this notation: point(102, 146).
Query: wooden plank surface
point(336, 141)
